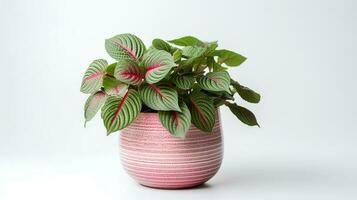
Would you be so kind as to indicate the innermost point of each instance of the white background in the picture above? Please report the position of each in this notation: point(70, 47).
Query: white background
point(301, 58)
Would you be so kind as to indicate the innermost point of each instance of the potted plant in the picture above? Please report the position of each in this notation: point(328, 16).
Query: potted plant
point(165, 100)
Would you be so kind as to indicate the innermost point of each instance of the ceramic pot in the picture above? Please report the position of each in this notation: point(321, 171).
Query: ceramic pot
point(155, 158)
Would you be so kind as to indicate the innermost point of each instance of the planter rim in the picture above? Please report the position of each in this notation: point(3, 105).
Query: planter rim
point(154, 116)
point(154, 119)
point(217, 110)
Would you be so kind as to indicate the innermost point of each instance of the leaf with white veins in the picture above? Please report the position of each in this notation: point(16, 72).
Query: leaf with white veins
point(93, 104)
point(159, 97)
point(157, 63)
point(93, 77)
point(128, 71)
point(125, 46)
point(214, 81)
point(119, 112)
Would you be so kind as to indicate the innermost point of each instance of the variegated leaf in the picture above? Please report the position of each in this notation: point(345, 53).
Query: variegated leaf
point(119, 112)
point(184, 82)
point(114, 87)
point(93, 77)
point(202, 111)
point(93, 104)
point(214, 81)
point(157, 63)
point(128, 71)
point(159, 97)
point(177, 123)
point(125, 46)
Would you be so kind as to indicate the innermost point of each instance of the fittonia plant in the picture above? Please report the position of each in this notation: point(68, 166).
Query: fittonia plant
point(185, 80)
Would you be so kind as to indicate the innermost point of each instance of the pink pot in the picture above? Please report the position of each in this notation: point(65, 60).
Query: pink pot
point(155, 158)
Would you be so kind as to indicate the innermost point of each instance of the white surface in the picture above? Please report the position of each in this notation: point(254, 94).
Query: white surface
point(252, 176)
point(301, 58)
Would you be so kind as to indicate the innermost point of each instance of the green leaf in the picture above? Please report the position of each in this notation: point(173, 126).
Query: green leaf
point(243, 114)
point(157, 63)
point(93, 77)
point(128, 71)
point(218, 68)
point(210, 62)
point(202, 111)
point(109, 82)
point(217, 96)
point(177, 55)
point(114, 87)
point(229, 58)
point(200, 66)
point(159, 97)
point(187, 41)
point(93, 104)
point(110, 69)
point(211, 47)
point(214, 66)
point(184, 82)
point(218, 102)
point(177, 123)
point(119, 112)
point(193, 51)
point(160, 44)
point(214, 81)
point(196, 89)
point(190, 62)
point(125, 46)
point(246, 93)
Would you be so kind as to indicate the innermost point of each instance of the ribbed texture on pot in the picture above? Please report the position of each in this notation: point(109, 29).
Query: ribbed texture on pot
point(153, 157)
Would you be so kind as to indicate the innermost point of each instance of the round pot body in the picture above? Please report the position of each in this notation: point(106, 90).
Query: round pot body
point(155, 158)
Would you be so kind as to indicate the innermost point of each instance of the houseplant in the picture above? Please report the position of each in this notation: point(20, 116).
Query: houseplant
point(165, 99)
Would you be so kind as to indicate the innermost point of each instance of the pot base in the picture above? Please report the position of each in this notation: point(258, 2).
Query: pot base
point(174, 187)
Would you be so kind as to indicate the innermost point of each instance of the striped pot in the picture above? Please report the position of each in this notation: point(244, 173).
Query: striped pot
point(156, 159)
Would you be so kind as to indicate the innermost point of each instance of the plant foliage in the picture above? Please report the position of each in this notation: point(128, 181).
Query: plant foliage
point(185, 80)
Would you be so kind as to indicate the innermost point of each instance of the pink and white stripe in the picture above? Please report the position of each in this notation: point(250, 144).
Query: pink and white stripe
point(154, 158)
